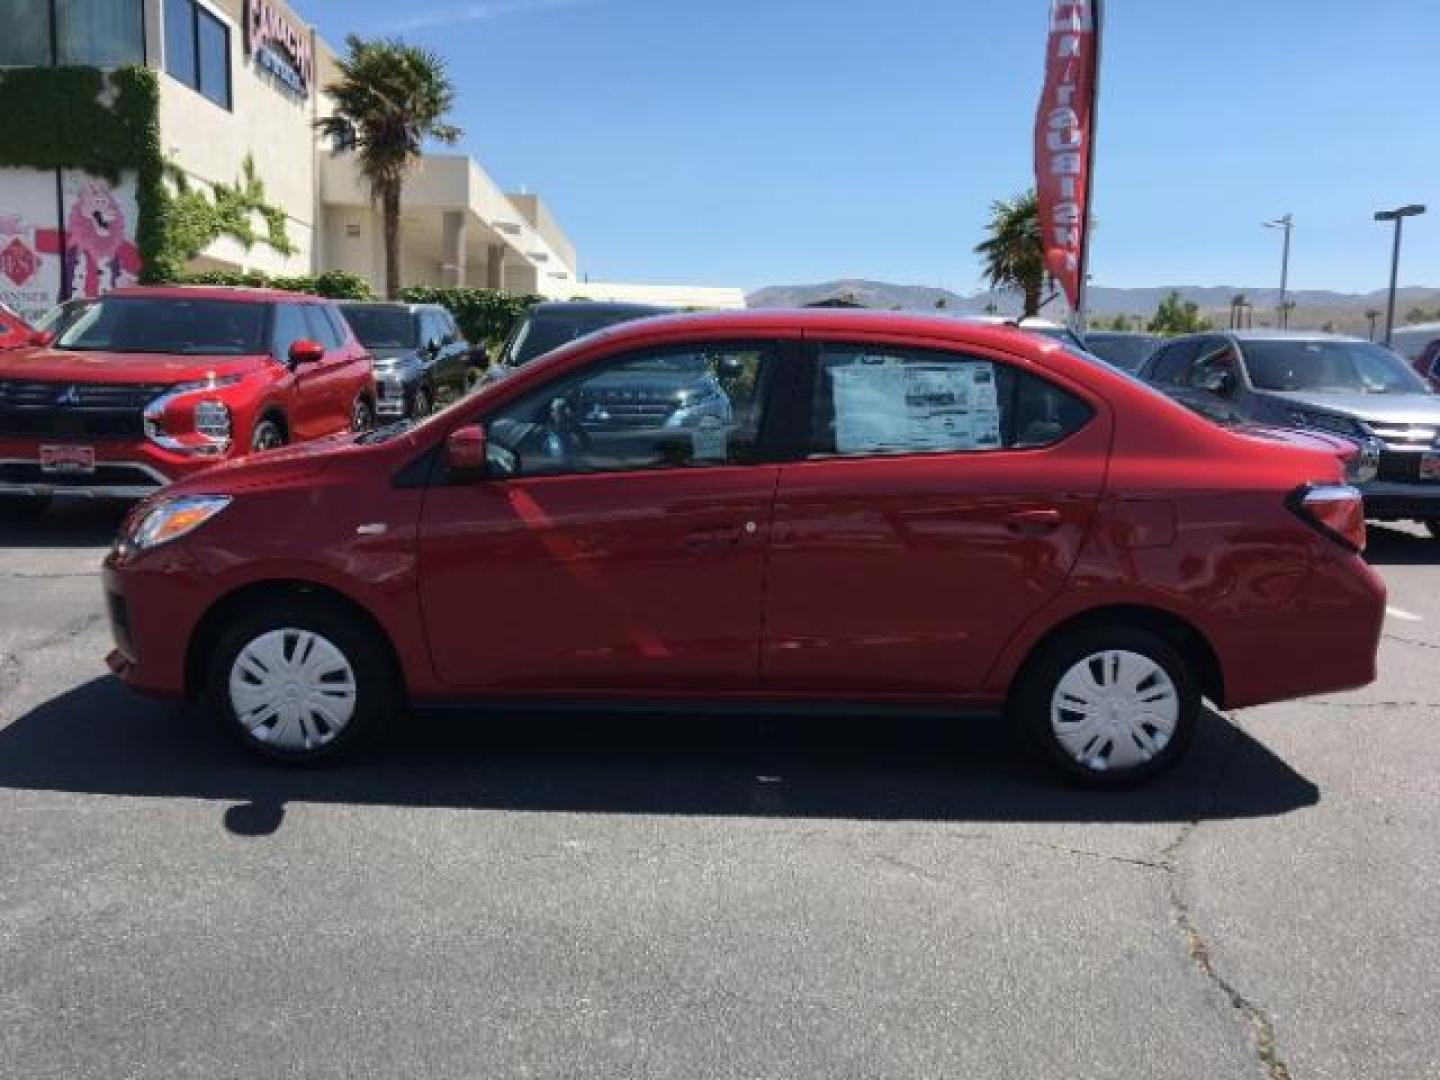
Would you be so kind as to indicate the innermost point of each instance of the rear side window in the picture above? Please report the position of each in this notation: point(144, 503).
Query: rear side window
point(290, 326)
point(871, 400)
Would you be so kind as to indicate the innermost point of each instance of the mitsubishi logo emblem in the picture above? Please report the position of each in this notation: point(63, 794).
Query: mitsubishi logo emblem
point(70, 396)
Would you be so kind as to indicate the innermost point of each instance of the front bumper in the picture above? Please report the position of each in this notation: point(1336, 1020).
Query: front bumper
point(152, 612)
point(1390, 500)
point(394, 398)
point(123, 470)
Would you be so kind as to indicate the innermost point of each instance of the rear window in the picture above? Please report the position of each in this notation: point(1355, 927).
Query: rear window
point(384, 327)
point(173, 325)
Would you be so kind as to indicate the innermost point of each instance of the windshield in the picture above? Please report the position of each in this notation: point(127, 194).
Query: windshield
point(1126, 351)
point(174, 325)
point(383, 327)
point(544, 332)
point(1354, 366)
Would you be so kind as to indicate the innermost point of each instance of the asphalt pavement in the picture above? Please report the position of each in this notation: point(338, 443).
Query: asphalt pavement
point(551, 896)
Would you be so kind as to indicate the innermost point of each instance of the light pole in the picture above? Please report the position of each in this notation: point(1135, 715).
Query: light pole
point(1398, 216)
point(1288, 224)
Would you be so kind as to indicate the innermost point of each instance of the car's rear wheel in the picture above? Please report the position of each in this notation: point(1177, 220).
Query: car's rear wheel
point(362, 415)
point(23, 507)
point(1109, 706)
point(300, 681)
point(268, 434)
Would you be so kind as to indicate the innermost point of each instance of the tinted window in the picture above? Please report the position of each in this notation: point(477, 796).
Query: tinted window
point(1126, 351)
point(871, 400)
point(100, 33)
point(384, 327)
point(290, 327)
point(181, 326)
point(197, 50)
point(1215, 354)
point(677, 408)
point(319, 326)
point(25, 41)
point(543, 332)
point(1329, 365)
point(1169, 366)
point(337, 324)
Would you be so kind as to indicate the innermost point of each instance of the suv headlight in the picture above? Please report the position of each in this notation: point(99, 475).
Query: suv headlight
point(1340, 425)
point(206, 430)
point(168, 519)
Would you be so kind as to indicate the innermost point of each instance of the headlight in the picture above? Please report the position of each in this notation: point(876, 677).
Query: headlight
point(205, 431)
point(169, 520)
point(1340, 425)
point(212, 419)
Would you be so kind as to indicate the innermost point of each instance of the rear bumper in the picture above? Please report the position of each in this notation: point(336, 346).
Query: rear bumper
point(1395, 499)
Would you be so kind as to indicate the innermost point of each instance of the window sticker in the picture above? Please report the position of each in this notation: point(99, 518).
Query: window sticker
point(883, 404)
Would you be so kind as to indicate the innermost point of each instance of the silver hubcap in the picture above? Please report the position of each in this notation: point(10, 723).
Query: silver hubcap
point(292, 689)
point(1114, 710)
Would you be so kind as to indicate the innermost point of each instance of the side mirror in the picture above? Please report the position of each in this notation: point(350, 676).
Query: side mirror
point(465, 451)
point(306, 352)
point(40, 338)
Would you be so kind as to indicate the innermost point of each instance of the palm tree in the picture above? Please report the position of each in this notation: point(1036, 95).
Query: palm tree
point(1014, 253)
point(390, 98)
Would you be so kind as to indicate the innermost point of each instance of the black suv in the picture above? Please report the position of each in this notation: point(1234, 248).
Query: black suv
point(1319, 382)
point(421, 359)
point(548, 325)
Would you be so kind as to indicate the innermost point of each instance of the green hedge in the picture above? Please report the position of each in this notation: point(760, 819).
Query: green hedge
point(333, 283)
point(486, 316)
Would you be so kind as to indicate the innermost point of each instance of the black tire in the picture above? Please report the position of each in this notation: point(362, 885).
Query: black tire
point(362, 415)
point(23, 507)
point(1032, 696)
point(376, 685)
point(421, 404)
point(268, 434)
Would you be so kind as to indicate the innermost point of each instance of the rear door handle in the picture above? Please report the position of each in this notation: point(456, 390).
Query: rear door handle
point(1034, 522)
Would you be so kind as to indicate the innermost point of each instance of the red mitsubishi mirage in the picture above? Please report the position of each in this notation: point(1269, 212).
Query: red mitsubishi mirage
point(151, 384)
point(764, 509)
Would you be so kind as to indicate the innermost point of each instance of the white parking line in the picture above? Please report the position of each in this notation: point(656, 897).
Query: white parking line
point(1404, 616)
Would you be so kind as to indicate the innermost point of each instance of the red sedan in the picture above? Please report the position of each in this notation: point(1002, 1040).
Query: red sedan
point(822, 509)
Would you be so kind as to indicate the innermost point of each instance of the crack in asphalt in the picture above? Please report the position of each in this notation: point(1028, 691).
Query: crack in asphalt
point(12, 664)
point(1376, 704)
point(1410, 641)
point(1262, 1028)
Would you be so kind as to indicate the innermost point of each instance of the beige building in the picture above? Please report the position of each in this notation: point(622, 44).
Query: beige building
point(241, 86)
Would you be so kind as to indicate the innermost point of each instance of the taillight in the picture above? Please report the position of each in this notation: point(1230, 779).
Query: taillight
point(1337, 510)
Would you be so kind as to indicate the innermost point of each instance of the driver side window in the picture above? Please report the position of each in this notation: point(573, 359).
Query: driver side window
point(686, 407)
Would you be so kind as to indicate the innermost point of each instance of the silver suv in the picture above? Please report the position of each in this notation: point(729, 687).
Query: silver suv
point(1319, 382)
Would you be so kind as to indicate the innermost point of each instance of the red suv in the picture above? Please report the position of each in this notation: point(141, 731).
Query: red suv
point(764, 509)
point(149, 385)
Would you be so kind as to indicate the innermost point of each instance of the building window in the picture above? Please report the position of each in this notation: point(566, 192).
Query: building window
point(98, 33)
point(197, 50)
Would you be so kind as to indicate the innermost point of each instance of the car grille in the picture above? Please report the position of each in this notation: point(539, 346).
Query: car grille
point(625, 408)
point(75, 410)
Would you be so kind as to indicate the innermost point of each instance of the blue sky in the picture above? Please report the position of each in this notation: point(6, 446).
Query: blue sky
point(759, 142)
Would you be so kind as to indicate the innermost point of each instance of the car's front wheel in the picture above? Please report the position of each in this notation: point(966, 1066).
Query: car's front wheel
point(1109, 706)
point(268, 434)
point(300, 680)
point(362, 415)
point(422, 404)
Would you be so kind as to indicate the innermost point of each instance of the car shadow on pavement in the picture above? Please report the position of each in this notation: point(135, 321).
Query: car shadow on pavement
point(1388, 545)
point(68, 524)
point(99, 738)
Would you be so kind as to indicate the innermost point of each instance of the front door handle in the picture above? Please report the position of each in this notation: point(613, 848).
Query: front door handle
point(719, 539)
point(1034, 522)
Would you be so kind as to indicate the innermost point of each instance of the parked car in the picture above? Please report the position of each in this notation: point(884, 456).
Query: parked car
point(62, 316)
point(1320, 382)
point(1427, 364)
point(548, 325)
point(153, 384)
point(1127, 350)
point(15, 332)
point(421, 358)
point(898, 512)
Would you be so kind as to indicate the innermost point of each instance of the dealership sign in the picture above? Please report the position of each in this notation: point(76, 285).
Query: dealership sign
point(279, 46)
point(1064, 139)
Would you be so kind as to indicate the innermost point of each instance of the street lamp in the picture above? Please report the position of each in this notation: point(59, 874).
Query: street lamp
point(1288, 224)
point(1398, 216)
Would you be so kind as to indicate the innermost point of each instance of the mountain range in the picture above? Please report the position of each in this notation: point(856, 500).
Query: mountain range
point(1313, 308)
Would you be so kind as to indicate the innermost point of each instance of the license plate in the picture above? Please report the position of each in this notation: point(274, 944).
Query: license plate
point(1430, 467)
point(67, 459)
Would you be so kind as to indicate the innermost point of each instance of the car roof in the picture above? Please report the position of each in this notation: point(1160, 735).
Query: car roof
point(216, 292)
point(1120, 333)
point(598, 307)
point(397, 305)
point(1243, 336)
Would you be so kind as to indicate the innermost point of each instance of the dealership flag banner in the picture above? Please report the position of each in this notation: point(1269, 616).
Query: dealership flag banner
point(1064, 141)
